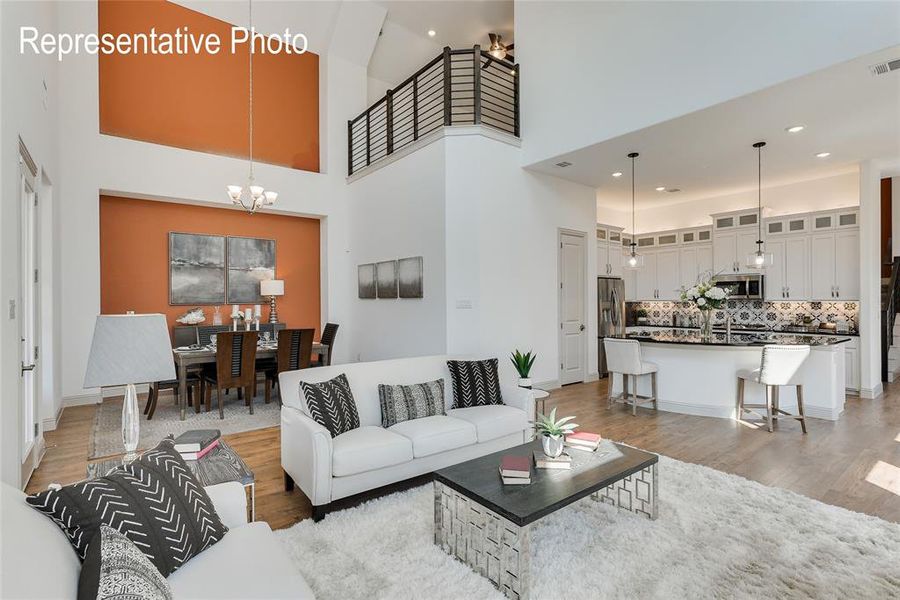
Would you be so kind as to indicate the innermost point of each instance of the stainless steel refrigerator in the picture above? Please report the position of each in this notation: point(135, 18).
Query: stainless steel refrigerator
point(610, 314)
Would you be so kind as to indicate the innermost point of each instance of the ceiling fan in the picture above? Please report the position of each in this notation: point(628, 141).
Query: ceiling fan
point(498, 50)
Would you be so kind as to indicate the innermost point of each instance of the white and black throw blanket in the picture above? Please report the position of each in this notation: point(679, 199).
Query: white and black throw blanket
point(406, 402)
point(115, 569)
point(475, 382)
point(155, 501)
point(331, 404)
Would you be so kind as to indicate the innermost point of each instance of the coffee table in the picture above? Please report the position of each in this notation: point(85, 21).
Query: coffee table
point(487, 525)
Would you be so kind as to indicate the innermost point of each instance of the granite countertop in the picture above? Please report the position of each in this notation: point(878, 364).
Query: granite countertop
point(762, 338)
point(743, 329)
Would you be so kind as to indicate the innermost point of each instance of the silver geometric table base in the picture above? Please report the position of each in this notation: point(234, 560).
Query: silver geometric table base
point(497, 549)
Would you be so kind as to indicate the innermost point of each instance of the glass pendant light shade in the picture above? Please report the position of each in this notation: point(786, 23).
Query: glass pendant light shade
point(760, 259)
point(271, 197)
point(632, 260)
point(234, 192)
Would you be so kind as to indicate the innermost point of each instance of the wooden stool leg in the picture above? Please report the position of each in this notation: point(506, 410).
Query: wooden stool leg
point(634, 396)
point(800, 408)
point(625, 389)
point(769, 395)
point(739, 409)
point(655, 389)
point(776, 405)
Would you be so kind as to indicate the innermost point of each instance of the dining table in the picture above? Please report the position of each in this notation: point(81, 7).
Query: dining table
point(188, 356)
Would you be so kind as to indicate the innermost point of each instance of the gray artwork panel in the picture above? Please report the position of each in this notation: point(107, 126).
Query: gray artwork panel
point(409, 275)
point(386, 278)
point(196, 269)
point(366, 277)
point(250, 261)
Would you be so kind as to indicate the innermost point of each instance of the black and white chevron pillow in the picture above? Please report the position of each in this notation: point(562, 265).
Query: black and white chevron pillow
point(475, 382)
point(406, 402)
point(331, 404)
point(155, 501)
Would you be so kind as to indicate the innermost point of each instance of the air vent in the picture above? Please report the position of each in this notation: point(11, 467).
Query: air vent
point(885, 67)
point(564, 164)
point(673, 190)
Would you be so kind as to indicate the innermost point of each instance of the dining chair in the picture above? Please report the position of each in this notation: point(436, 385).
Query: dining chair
point(328, 335)
point(193, 381)
point(294, 352)
point(235, 368)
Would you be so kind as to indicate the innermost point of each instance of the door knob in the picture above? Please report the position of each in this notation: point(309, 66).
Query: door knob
point(26, 368)
point(581, 328)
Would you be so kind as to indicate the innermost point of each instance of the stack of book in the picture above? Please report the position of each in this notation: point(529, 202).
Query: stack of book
point(582, 440)
point(197, 443)
point(515, 470)
point(542, 461)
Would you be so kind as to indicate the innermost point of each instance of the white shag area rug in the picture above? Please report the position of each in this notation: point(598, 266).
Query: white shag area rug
point(717, 536)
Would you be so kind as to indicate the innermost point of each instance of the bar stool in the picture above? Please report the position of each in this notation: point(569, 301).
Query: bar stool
point(624, 357)
point(779, 367)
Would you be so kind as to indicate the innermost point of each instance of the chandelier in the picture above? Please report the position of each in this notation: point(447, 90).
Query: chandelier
point(251, 197)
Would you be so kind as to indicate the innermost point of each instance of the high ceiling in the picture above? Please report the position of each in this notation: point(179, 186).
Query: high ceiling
point(845, 110)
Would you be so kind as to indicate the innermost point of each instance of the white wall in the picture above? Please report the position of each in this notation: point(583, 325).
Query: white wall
point(22, 113)
point(595, 70)
point(806, 196)
point(397, 212)
point(502, 227)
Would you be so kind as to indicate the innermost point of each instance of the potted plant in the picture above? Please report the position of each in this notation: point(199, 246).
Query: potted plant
point(706, 297)
point(553, 433)
point(641, 315)
point(523, 363)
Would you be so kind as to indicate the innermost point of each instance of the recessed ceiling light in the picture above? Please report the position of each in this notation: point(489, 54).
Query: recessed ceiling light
point(794, 129)
point(660, 189)
point(823, 154)
point(617, 174)
point(432, 33)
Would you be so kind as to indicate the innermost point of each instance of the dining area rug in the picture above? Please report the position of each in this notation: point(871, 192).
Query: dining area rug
point(106, 431)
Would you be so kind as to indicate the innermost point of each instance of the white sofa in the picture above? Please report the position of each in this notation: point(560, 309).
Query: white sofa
point(38, 561)
point(327, 468)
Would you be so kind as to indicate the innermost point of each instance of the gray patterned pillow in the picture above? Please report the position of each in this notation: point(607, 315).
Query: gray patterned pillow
point(406, 402)
point(115, 569)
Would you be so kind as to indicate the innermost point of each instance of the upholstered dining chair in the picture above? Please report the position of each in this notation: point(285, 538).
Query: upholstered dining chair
point(779, 367)
point(328, 335)
point(294, 352)
point(624, 357)
point(235, 368)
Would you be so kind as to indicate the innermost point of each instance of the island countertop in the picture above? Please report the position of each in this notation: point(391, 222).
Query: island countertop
point(739, 339)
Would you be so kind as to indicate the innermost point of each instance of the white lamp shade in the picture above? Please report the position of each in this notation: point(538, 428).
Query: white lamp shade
point(271, 287)
point(129, 349)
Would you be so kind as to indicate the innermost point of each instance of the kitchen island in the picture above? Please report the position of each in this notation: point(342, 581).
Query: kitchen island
point(699, 377)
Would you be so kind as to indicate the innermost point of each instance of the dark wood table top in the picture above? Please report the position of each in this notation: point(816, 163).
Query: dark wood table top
point(550, 489)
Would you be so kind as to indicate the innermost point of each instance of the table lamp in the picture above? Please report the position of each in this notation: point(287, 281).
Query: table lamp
point(272, 288)
point(129, 349)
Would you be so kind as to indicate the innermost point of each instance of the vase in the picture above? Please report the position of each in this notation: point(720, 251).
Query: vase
point(525, 382)
point(552, 445)
point(706, 328)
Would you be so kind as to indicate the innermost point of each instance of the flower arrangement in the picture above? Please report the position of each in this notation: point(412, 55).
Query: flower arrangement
point(705, 295)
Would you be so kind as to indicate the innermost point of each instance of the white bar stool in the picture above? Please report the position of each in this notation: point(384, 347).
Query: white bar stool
point(779, 367)
point(624, 357)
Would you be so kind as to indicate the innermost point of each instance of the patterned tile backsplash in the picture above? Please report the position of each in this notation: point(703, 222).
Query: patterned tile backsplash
point(773, 315)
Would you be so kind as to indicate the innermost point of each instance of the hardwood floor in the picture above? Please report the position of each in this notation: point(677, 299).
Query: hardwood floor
point(830, 464)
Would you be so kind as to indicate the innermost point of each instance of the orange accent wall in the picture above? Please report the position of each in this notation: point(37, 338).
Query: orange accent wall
point(200, 101)
point(134, 256)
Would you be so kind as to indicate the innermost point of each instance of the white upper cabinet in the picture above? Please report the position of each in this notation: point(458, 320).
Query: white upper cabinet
point(846, 272)
point(694, 261)
point(725, 252)
point(646, 278)
point(821, 266)
point(609, 252)
point(668, 278)
point(796, 268)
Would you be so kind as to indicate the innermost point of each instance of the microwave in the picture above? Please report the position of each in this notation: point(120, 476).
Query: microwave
point(742, 286)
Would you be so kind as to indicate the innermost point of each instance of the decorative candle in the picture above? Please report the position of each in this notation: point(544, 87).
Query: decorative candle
point(235, 310)
point(248, 314)
point(257, 310)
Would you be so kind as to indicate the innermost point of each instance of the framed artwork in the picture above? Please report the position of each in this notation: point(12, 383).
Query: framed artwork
point(196, 268)
point(410, 272)
point(386, 279)
point(250, 261)
point(366, 279)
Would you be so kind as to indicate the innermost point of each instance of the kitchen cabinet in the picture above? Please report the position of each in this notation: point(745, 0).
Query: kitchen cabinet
point(851, 364)
point(694, 261)
point(730, 250)
point(788, 277)
point(668, 278)
point(834, 265)
point(646, 278)
point(609, 258)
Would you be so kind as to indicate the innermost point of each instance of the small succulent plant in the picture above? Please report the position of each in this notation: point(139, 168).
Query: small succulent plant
point(523, 362)
point(548, 425)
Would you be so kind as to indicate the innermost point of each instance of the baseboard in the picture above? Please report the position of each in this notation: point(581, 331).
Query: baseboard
point(552, 384)
point(871, 393)
point(725, 412)
point(595, 376)
point(50, 423)
point(119, 390)
point(82, 399)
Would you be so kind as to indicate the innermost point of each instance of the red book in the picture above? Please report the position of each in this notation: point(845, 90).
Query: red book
point(515, 466)
point(584, 436)
point(201, 454)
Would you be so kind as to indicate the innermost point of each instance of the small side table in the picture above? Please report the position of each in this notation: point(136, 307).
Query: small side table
point(222, 464)
point(540, 396)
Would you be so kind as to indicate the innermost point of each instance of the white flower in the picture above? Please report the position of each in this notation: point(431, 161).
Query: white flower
point(716, 294)
point(701, 301)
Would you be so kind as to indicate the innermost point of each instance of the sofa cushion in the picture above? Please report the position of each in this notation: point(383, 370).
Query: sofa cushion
point(248, 563)
point(475, 382)
point(331, 405)
point(368, 448)
point(405, 402)
point(440, 433)
point(156, 501)
point(492, 422)
point(115, 568)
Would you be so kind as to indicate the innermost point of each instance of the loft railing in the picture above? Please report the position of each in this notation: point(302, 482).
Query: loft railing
point(457, 87)
point(890, 303)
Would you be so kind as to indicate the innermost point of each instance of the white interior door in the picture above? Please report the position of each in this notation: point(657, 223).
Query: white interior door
point(28, 317)
point(572, 315)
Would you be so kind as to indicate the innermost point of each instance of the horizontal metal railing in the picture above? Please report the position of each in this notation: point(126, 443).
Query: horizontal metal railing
point(457, 87)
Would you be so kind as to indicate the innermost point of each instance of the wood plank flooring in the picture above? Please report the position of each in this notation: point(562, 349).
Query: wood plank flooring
point(830, 464)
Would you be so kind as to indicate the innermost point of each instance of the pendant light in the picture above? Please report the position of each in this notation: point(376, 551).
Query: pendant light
point(760, 259)
point(633, 260)
point(251, 197)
